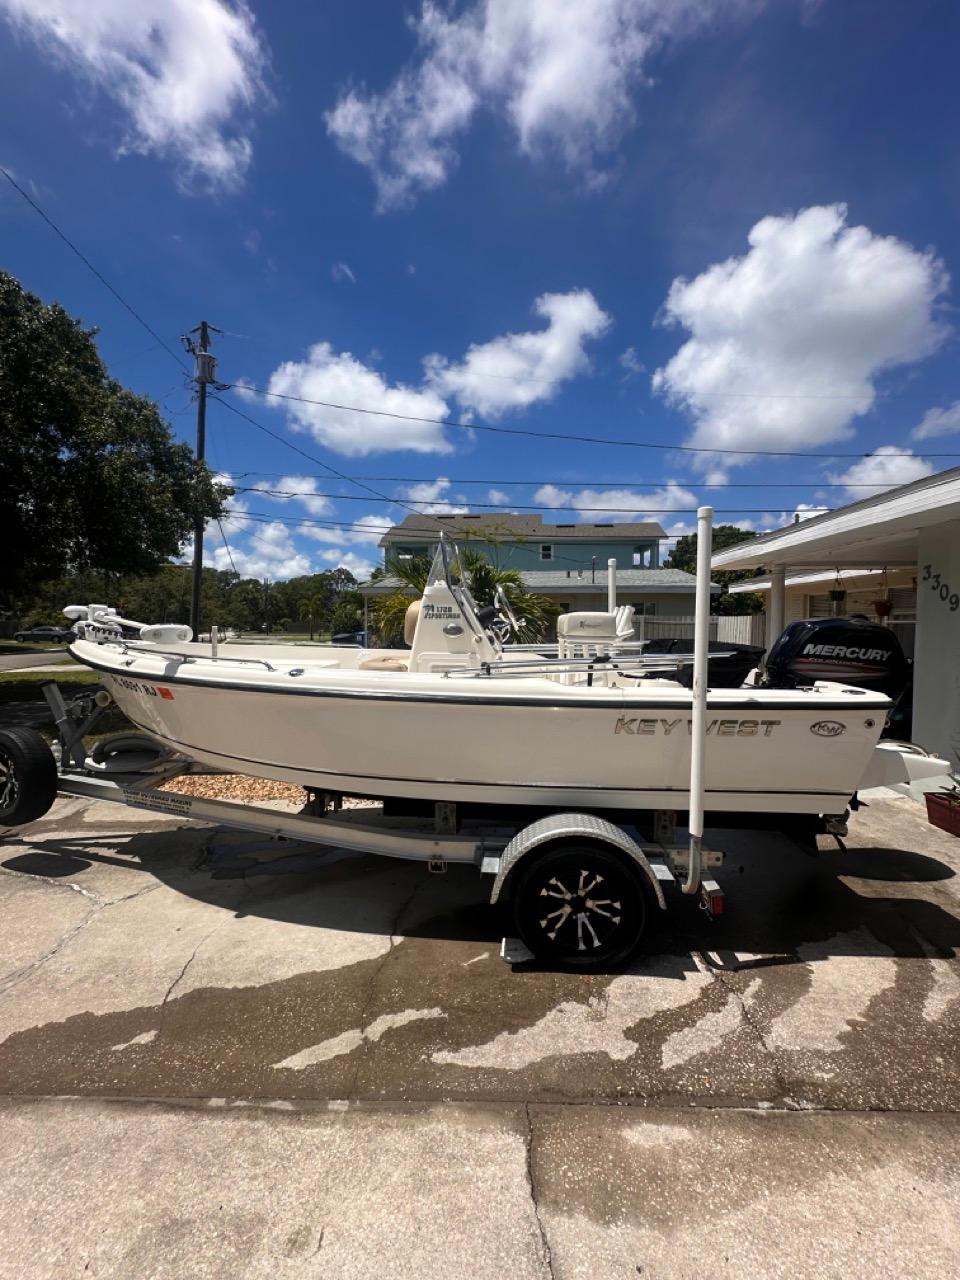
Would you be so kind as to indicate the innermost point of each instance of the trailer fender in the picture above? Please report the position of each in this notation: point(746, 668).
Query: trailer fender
point(566, 826)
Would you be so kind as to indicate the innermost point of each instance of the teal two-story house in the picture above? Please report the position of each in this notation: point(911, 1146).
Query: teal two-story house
point(526, 542)
point(567, 562)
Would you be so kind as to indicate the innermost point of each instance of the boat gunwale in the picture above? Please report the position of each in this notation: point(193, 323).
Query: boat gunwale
point(865, 698)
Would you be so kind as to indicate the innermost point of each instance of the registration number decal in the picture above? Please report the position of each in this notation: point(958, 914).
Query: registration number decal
point(138, 686)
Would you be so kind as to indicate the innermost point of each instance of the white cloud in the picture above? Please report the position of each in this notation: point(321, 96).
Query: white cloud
point(300, 489)
point(186, 72)
point(787, 341)
point(563, 75)
point(631, 362)
point(519, 369)
point(885, 468)
point(938, 422)
point(426, 495)
point(498, 497)
point(341, 378)
point(342, 271)
point(337, 559)
point(364, 529)
point(590, 503)
point(269, 553)
point(806, 511)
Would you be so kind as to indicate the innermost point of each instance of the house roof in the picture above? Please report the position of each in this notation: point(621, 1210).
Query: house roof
point(560, 582)
point(507, 525)
point(823, 578)
point(876, 532)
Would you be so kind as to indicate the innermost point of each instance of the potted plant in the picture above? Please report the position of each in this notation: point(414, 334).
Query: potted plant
point(943, 810)
point(883, 608)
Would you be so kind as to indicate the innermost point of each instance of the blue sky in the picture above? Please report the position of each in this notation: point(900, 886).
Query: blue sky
point(725, 224)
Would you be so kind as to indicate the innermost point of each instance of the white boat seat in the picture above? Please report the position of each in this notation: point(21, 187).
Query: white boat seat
point(410, 622)
point(383, 664)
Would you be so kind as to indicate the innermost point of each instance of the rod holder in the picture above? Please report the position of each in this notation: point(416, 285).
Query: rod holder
point(698, 727)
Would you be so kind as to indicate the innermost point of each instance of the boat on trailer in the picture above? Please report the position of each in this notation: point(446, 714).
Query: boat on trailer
point(456, 719)
point(563, 777)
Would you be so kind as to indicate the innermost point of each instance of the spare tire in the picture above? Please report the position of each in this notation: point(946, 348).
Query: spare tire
point(28, 777)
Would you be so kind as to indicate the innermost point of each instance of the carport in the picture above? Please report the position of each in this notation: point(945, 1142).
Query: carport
point(913, 529)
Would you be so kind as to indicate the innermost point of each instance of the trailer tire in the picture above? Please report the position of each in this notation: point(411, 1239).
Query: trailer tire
point(597, 933)
point(28, 777)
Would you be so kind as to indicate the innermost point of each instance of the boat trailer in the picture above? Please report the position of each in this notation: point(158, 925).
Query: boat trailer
point(579, 887)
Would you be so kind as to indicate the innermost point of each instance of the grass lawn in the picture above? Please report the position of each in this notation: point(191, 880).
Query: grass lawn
point(26, 686)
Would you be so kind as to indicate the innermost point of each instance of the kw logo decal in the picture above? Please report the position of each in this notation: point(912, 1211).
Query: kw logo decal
point(828, 728)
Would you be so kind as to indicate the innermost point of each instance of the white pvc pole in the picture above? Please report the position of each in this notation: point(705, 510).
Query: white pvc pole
point(611, 586)
point(775, 610)
point(698, 728)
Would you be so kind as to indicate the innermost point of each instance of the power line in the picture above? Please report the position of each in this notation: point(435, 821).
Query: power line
point(656, 511)
point(549, 435)
point(600, 484)
point(491, 506)
point(90, 267)
point(463, 538)
point(227, 545)
point(382, 497)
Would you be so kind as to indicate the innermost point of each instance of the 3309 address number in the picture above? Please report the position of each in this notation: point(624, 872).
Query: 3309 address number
point(937, 585)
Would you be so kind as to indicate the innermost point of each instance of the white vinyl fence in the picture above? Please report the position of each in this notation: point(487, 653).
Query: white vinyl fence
point(749, 629)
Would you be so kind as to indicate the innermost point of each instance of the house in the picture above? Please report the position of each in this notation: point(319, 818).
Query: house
point(566, 562)
point(526, 542)
point(902, 546)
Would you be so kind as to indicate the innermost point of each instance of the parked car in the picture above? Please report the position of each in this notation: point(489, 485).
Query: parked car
point(46, 635)
point(350, 638)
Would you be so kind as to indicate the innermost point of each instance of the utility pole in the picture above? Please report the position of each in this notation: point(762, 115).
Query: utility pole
point(206, 371)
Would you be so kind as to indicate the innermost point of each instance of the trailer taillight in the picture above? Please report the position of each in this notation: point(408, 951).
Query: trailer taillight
point(711, 897)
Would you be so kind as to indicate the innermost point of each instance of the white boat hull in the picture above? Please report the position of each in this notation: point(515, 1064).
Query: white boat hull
point(505, 742)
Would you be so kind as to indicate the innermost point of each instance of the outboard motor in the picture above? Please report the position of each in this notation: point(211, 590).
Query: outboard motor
point(848, 650)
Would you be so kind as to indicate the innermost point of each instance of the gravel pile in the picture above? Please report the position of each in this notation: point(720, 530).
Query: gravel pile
point(237, 787)
point(242, 789)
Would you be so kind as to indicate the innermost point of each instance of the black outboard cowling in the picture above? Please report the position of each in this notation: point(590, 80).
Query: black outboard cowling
point(848, 650)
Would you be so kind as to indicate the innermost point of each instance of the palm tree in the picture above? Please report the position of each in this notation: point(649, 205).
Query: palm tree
point(390, 611)
point(534, 611)
point(310, 610)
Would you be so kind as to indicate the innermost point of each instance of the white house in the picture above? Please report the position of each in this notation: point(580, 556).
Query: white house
point(903, 544)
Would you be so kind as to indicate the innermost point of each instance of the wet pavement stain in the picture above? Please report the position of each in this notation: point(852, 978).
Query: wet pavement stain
point(724, 1013)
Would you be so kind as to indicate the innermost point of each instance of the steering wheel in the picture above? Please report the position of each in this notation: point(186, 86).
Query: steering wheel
point(503, 605)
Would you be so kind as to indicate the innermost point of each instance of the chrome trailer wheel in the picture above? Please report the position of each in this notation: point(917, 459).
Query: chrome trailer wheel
point(28, 777)
point(580, 906)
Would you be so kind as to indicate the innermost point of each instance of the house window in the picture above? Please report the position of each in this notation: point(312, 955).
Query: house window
point(546, 551)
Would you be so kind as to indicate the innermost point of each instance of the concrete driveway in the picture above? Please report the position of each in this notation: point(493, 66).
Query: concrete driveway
point(227, 1056)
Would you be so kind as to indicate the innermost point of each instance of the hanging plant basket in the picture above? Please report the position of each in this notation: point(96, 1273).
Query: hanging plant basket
point(838, 596)
point(943, 810)
point(882, 608)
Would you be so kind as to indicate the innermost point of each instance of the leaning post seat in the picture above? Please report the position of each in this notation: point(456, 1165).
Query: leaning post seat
point(584, 635)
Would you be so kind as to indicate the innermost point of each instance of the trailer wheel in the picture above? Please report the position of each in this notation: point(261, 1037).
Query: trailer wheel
point(28, 777)
point(580, 906)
